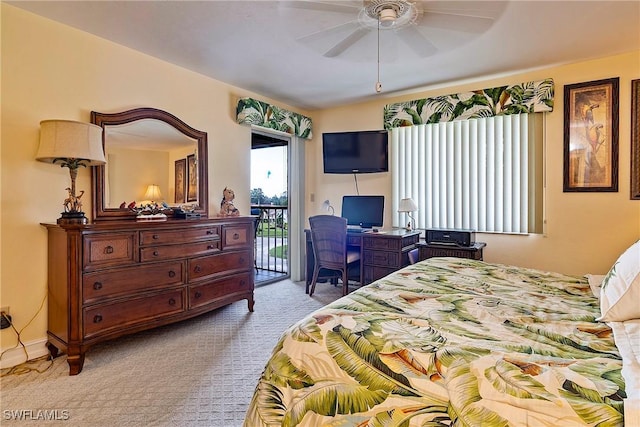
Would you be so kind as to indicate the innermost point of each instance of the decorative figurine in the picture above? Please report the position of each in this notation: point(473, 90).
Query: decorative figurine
point(226, 206)
point(73, 203)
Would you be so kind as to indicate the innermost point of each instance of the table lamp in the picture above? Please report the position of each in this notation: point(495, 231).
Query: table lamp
point(408, 205)
point(153, 193)
point(72, 145)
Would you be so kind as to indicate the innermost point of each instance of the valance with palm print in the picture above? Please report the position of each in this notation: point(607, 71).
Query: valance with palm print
point(253, 112)
point(530, 97)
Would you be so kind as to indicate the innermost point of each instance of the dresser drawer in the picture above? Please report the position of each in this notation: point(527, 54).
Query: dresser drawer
point(382, 258)
point(102, 250)
point(381, 243)
point(209, 293)
point(199, 268)
point(235, 236)
point(156, 253)
point(163, 237)
point(108, 317)
point(112, 283)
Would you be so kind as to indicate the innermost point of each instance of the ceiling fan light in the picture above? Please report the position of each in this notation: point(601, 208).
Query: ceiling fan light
point(387, 17)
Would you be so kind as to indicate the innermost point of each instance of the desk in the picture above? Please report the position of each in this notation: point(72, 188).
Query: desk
point(380, 253)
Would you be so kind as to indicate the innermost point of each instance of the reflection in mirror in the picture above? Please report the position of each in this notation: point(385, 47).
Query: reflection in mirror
point(152, 156)
point(141, 154)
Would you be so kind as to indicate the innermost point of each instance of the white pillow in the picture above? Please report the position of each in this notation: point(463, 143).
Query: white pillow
point(620, 291)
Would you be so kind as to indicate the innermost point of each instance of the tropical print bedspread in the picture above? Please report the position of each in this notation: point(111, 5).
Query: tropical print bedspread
point(448, 342)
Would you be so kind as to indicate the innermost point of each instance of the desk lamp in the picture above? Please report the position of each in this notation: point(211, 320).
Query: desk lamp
point(71, 144)
point(408, 205)
point(326, 206)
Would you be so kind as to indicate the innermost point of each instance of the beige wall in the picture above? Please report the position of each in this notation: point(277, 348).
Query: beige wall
point(585, 232)
point(50, 71)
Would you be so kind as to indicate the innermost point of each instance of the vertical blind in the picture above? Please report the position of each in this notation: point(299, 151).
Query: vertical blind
point(469, 174)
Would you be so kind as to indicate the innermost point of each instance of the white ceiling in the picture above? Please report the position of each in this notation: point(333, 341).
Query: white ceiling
point(275, 48)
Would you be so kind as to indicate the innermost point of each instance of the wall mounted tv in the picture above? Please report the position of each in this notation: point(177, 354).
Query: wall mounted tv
point(355, 152)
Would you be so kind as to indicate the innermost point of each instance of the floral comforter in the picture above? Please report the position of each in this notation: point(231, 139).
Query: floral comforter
point(448, 342)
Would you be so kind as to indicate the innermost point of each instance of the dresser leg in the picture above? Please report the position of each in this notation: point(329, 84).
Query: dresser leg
point(53, 350)
point(250, 301)
point(76, 362)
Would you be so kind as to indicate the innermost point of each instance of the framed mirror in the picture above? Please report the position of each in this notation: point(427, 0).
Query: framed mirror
point(151, 154)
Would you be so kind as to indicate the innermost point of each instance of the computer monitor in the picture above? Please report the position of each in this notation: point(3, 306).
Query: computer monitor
point(363, 211)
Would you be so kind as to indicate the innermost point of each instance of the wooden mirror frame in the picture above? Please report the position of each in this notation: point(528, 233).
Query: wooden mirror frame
point(100, 211)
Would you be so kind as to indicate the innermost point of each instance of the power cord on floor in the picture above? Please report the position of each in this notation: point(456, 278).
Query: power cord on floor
point(24, 367)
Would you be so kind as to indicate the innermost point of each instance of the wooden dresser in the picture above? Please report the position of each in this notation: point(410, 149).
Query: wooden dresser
point(112, 278)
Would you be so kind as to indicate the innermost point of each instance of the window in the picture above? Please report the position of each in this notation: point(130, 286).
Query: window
point(483, 174)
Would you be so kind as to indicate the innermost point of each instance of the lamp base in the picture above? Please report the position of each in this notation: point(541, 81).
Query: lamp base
point(70, 218)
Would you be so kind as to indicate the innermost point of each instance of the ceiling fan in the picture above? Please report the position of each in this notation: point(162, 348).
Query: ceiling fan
point(425, 27)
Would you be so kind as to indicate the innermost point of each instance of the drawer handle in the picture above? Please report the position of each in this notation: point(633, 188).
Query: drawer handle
point(97, 286)
point(242, 282)
point(156, 253)
point(209, 232)
point(172, 301)
point(241, 260)
point(97, 318)
point(172, 273)
point(197, 294)
point(236, 236)
point(197, 269)
point(108, 250)
point(211, 246)
point(155, 237)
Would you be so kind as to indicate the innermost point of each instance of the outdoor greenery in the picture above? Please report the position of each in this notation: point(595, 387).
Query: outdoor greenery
point(266, 230)
point(279, 251)
point(259, 198)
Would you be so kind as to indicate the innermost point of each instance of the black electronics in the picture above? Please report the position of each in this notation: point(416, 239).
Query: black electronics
point(455, 237)
point(355, 152)
point(363, 211)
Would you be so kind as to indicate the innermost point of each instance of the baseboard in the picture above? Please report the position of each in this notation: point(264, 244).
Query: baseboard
point(15, 356)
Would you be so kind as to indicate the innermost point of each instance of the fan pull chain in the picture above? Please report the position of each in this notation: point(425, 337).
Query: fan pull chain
point(378, 84)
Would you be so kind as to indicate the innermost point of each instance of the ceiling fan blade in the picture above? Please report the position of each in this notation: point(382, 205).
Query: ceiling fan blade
point(335, 31)
point(456, 22)
point(346, 42)
point(350, 7)
point(416, 41)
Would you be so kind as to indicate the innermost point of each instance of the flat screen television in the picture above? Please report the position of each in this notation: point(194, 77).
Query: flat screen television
point(363, 211)
point(355, 152)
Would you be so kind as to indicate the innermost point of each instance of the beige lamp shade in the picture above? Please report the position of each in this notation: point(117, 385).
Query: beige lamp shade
point(153, 193)
point(407, 205)
point(67, 139)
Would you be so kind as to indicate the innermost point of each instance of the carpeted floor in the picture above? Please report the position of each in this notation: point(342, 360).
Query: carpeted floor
point(200, 372)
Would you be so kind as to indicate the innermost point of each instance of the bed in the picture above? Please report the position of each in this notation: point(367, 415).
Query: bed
point(459, 342)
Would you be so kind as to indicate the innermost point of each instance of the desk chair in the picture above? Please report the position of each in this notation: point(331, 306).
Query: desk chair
point(329, 242)
point(413, 256)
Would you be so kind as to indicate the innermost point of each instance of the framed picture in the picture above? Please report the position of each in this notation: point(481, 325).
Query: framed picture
point(180, 180)
point(192, 178)
point(635, 139)
point(591, 136)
